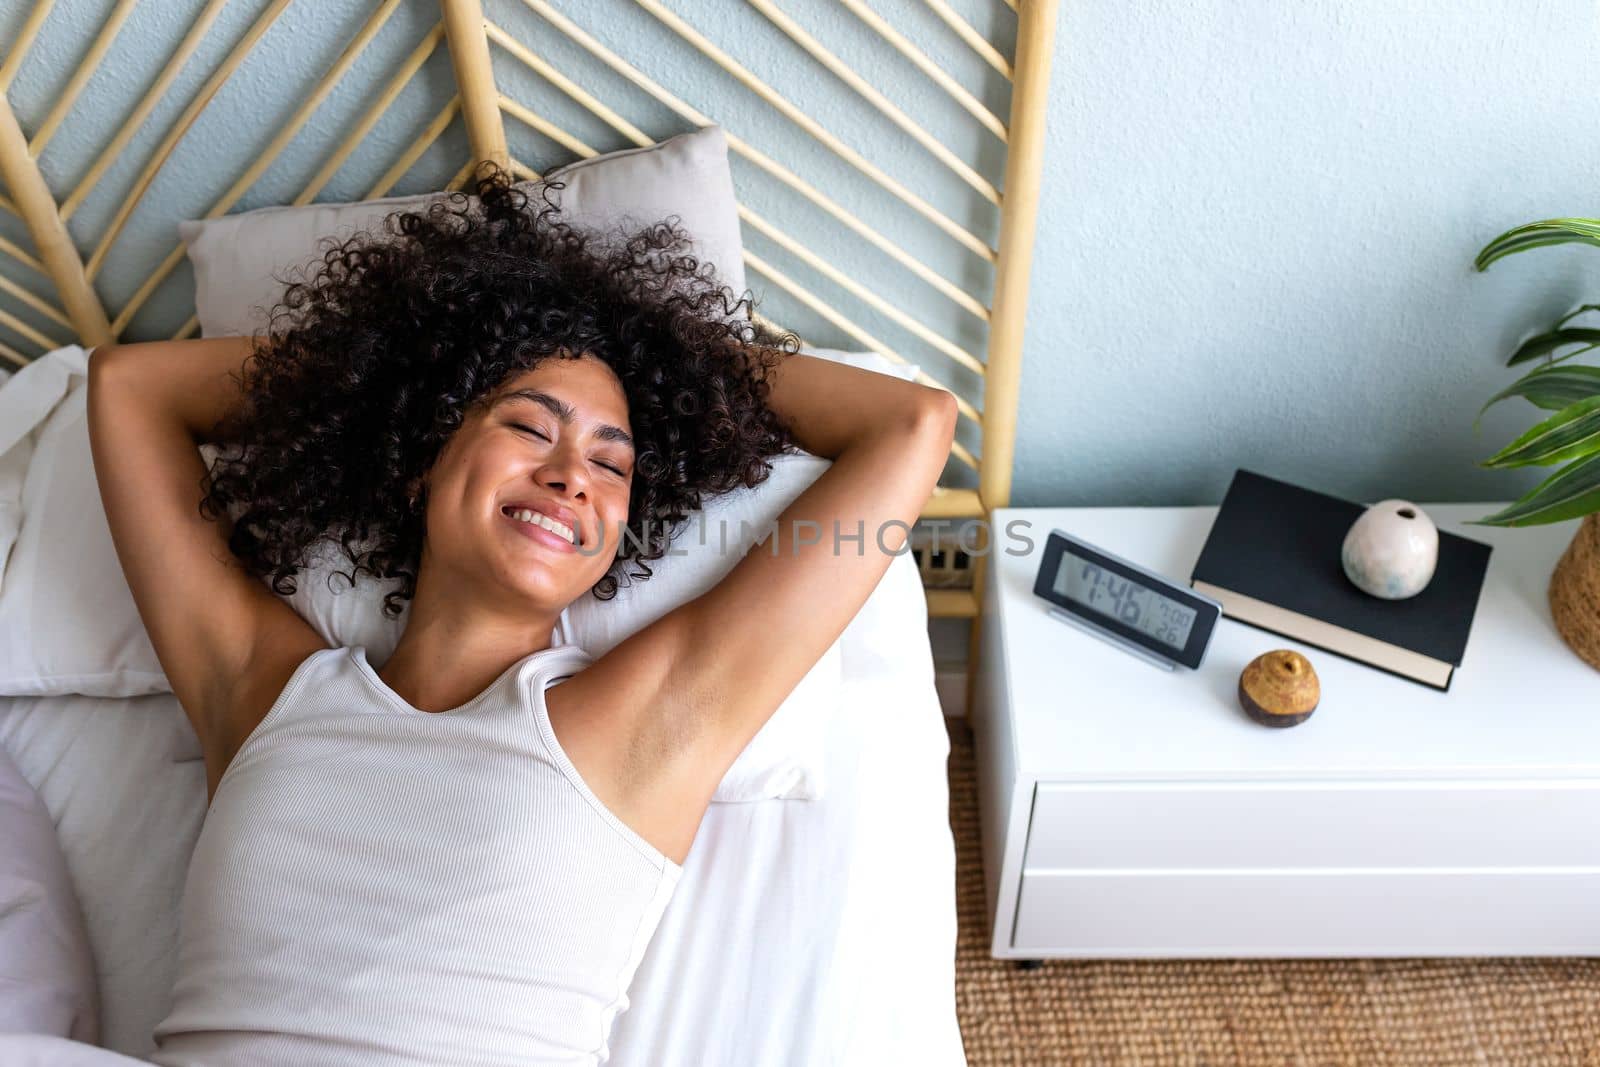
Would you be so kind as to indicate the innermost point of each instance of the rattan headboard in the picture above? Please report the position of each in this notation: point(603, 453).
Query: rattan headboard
point(989, 297)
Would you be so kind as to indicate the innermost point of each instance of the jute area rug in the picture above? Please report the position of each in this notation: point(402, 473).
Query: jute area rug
point(1209, 1013)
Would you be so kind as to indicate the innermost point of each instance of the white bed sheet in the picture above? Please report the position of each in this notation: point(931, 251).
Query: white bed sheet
point(823, 931)
point(803, 932)
point(127, 813)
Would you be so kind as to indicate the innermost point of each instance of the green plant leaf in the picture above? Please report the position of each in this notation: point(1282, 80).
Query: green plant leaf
point(1570, 493)
point(1574, 313)
point(1545, 343)
point(1538, 235)
point(1551, 387)
point(1570, 433)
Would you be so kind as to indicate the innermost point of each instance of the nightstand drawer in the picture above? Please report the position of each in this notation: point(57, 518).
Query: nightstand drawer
point(1309, 913)
point(1322, 824)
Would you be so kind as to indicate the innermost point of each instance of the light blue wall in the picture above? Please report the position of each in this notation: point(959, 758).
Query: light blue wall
point(1254, 248)
point(1257, 240)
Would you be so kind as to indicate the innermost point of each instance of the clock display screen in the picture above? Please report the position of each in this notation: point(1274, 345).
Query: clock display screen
point(1130, 603)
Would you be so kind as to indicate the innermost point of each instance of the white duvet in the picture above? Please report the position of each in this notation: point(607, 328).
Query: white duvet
point(803, 931)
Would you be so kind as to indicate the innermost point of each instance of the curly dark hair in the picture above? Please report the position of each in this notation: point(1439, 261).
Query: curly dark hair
point(372, 361)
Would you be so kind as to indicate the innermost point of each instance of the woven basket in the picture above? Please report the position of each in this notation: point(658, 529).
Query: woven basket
point(1575, 592)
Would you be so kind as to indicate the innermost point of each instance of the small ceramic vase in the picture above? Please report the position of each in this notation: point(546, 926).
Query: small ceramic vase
point(1391, 550)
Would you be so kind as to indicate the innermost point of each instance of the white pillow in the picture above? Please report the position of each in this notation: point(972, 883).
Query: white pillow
point(68, 623)
point(687, 176)
point(235, 257)
point(26, 400)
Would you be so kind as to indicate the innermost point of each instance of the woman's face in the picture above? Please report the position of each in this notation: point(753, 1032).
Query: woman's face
point(553, 441)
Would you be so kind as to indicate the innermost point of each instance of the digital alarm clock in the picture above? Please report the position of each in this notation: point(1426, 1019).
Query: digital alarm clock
point(1135, 609)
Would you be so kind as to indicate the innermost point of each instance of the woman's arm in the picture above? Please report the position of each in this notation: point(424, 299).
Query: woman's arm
point(190, 381)
point(697, 684)
point(217, 631)
point(889, 441)
point(831, 406)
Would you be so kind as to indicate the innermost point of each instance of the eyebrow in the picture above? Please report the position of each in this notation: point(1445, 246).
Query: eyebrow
point(564, 411)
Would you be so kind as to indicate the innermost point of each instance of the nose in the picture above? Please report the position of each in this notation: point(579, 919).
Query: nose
point(563, 473)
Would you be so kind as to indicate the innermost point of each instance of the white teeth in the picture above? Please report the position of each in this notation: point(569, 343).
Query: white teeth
point(539, 519)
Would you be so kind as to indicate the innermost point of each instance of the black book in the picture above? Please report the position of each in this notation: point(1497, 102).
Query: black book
point(1272, 560)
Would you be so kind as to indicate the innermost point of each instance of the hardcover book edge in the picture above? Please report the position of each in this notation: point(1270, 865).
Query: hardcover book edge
point(1336, 639)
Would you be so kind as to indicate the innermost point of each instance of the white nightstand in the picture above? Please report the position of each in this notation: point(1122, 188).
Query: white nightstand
point(1129, 811)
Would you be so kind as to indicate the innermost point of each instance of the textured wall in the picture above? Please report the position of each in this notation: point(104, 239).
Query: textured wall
point(1254, 247)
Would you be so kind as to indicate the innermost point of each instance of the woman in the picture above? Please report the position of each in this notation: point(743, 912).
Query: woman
point(441, 861)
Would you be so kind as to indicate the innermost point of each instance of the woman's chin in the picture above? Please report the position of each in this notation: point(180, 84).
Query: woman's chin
point(545, 574)
point(546, 583)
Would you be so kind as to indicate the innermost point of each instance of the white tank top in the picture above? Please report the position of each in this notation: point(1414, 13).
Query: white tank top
point(378, 884)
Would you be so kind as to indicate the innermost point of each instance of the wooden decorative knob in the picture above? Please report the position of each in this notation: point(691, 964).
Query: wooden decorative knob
point(1279, 688)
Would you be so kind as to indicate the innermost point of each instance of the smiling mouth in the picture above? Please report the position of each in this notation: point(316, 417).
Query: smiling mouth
point(540, 521)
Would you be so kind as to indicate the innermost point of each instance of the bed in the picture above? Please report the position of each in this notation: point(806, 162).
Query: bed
point(774, 950)
point(805, 931)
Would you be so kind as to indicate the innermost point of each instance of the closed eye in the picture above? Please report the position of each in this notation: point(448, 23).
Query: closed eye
point(543, 437)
